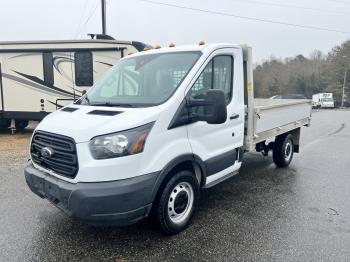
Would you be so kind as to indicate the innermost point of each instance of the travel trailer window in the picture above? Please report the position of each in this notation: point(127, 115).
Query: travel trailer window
point(48, 68)
point(83, 68)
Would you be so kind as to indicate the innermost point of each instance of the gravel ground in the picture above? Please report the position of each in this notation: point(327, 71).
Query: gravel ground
point(14, 148)
point(300, 213)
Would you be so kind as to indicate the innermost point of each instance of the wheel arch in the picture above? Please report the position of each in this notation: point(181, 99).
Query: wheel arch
point(295, 136)
point(184, 162)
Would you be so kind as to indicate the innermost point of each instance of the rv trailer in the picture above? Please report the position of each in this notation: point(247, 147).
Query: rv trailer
point(38, 77)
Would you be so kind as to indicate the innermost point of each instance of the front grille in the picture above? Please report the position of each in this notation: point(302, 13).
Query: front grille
point(63, 160)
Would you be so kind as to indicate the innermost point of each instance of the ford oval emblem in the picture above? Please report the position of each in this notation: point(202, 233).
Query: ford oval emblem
point(46, 152)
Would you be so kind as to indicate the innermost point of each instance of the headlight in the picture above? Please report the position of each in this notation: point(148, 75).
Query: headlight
point(119, 144)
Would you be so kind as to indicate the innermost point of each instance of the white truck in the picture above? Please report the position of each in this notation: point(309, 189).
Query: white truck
point(154, 130)
point(37, 77)
point(323, 100)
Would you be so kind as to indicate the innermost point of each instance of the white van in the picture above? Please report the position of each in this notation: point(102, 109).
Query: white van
point(155, 129)
point(323, 100)
point(37, 77)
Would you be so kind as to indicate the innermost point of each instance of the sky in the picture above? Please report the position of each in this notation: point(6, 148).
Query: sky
point(219, 21)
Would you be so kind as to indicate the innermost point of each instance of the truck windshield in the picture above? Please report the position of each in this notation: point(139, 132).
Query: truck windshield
point(145, 80)
point(327, 100)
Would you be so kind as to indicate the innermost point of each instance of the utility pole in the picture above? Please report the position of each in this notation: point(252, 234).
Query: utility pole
point(103, 11)
point(343, 94)
point(344, 82)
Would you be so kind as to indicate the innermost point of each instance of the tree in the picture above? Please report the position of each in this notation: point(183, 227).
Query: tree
point(302, 75)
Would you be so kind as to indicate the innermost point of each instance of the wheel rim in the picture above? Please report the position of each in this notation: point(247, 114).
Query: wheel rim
point(180, 202)
point(288, 150)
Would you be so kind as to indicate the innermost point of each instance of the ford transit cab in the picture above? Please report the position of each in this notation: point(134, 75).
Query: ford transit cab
point(157, 128)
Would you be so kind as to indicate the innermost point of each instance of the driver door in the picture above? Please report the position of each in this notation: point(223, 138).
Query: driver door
point(217, 144)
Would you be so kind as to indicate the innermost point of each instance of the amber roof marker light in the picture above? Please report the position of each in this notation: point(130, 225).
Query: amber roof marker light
point(171, 45)
point(157, 47)
point(202, 42)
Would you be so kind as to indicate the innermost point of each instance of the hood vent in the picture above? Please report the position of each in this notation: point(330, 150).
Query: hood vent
point(69, 109)
point(105, 112)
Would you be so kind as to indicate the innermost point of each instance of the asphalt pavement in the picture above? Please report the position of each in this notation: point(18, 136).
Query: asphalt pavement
point(300, 213)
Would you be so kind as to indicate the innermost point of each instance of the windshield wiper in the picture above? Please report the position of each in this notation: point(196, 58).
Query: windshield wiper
point(111, 104)
point(84, 99)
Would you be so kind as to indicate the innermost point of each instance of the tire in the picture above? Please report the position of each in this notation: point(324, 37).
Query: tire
point(283, 150)
point(4, 124)
point(21, 124)
point(177, 203)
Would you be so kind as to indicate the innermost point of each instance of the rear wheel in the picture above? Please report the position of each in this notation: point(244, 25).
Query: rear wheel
point(283, 150)
point(21, 124)
point(177, 203)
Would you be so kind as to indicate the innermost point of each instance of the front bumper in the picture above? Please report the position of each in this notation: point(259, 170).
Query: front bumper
point(115, 203)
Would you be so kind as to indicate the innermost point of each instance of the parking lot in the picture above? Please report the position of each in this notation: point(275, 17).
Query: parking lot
point(300, 213)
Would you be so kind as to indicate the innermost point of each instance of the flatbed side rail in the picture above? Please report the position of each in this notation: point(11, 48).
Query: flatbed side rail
point(262, 136)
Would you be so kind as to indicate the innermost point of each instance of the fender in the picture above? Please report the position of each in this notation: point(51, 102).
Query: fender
point(173, 163)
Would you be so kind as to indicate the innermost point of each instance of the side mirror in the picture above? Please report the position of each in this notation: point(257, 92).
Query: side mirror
point(211, 109)
point(217, 110)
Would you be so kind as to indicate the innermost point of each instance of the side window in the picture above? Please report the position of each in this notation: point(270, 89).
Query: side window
point(223, 75)
point(203, 83)
point(48, 68)
point(83, 68)
point(217, 74)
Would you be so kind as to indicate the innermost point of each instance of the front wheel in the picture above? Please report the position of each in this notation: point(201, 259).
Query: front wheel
point(177, 203)
point(283, 150)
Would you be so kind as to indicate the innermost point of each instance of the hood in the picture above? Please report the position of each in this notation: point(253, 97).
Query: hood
point(85, 122)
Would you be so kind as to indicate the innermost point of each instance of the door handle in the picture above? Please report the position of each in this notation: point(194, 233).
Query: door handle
point(234, 116)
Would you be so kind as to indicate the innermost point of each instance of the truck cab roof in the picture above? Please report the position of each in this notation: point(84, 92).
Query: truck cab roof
point(187, 48)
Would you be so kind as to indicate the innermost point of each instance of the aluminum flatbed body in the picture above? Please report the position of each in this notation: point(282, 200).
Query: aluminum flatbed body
point(273, 117)
point(265, 119)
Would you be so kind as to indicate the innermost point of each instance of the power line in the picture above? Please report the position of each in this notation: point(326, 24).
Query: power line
point(339, 1)
point(81, 18)
point(247, 17)
point(89, 17)
point(292, 6)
